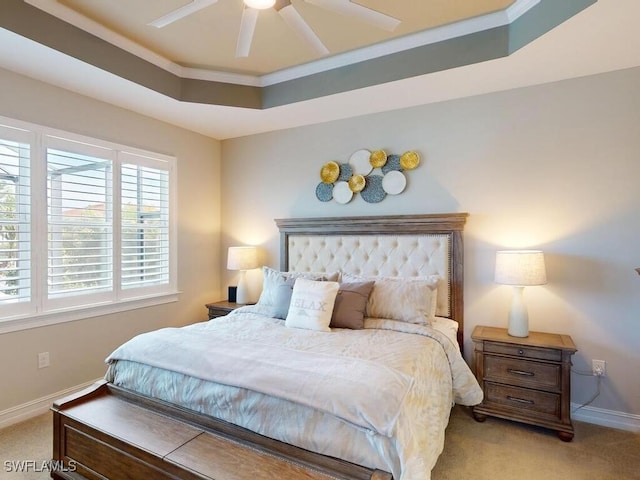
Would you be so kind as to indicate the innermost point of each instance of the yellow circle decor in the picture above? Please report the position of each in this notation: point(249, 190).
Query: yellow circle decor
point(378, 158)
point(329, 172)
point(409, 160)
point(357, 183)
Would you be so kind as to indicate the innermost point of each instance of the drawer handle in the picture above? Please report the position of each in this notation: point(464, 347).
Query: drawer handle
point(520, 372)
point(520, 400)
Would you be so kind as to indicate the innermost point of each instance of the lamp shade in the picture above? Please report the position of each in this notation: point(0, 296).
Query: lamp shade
point(520, 268)
point(242, 258)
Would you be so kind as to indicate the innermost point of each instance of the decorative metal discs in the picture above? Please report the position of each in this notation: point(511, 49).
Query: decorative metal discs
point(373, 191)
point(329, 172)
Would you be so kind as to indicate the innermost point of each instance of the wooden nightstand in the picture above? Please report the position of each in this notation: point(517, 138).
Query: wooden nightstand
point(219, 309)
point(525, 379)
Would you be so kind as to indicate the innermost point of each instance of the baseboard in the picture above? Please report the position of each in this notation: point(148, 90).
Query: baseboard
point(606, 418)
point(37, 407)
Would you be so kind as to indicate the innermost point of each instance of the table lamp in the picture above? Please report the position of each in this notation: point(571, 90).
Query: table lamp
point(242, 259)
point(519, 268)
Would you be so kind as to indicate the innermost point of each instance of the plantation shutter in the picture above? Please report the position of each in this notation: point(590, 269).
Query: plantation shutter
point(15, 216)
point(144, 222)
point(80, 219)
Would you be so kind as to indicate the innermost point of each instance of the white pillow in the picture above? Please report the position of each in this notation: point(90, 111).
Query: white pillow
point(407, 299)
point(312, 304)
point(272, 278)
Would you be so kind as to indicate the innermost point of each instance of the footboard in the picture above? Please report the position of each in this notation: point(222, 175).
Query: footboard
point(107, 432)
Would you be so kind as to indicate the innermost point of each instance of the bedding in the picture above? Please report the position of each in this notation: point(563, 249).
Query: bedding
point(419, 363)
point(405, 299)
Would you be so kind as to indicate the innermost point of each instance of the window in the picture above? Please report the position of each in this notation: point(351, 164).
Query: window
point(85, 226)
point(15, 223)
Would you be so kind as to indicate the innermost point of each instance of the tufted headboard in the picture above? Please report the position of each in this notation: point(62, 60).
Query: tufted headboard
point(399, 246)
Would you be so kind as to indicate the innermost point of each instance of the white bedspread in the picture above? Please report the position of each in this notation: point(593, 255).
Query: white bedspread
point(338, 385)
point(438, 372)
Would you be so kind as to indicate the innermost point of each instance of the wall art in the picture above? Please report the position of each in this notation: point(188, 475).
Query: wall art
point(372, 174)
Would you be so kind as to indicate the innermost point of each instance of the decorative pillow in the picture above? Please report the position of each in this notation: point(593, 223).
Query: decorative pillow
point(283, 291)
point(350, 304)
point(312, 304)
point(407, 299)
point(271, 279)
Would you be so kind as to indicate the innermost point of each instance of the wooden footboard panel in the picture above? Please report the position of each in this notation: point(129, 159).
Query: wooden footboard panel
point(106, 432)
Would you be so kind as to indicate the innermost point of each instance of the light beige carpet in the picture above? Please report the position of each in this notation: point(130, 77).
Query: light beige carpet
point(493, 450)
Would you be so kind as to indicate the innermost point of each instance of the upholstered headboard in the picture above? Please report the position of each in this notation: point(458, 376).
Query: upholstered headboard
point(403, 246)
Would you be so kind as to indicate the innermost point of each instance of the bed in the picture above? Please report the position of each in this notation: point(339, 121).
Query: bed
point(274, 389)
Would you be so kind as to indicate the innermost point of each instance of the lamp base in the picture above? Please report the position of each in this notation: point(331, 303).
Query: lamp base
point(242, 293)
point(518, 316)
point(517, 330)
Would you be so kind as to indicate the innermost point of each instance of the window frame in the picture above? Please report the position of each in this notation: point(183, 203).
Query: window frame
point(40, 310)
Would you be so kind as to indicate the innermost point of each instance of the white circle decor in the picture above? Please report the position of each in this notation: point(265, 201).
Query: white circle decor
point(342, 193)
point(360, 163)
point(393, 182)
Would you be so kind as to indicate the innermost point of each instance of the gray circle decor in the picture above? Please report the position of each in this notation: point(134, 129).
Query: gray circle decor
point(324, 191)
point(345, 172)
point(393, 163)
point(373, 191)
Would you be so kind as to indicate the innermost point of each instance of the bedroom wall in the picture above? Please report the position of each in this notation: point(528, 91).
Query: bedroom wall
point(554, 167)
point(77, 349)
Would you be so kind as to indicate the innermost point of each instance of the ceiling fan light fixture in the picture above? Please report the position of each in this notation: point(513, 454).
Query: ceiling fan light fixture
point(260, 4)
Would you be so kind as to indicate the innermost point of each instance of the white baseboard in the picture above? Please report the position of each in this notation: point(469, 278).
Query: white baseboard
point(37, 407)
point(606, 418)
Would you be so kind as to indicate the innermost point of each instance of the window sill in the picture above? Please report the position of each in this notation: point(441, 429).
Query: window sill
point(80, 313)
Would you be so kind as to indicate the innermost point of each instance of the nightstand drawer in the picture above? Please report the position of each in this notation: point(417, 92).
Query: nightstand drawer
point(524, 351)
point(520, 399)
point(524, 373)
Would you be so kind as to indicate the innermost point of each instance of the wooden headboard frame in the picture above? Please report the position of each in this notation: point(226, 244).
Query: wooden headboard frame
point(450, 224)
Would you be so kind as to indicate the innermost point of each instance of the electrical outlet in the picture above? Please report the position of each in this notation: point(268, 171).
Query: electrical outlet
point(599, 368)
point(43, 360)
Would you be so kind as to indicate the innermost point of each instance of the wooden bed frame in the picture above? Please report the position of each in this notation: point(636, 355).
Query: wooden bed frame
point(109, 432)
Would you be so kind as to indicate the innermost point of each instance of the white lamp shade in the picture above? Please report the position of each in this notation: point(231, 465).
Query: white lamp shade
point(520, 268)
point(260, 4)
point(242, 258)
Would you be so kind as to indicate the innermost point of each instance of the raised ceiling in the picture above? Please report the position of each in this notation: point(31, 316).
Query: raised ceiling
point(117, 36)
point(528, 43)
point(206, 39)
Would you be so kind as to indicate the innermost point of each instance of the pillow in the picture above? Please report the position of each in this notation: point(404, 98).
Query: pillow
point(283, 291)
point(407, 299)
point(312, 304)
point(350, 304)
point(271, 277)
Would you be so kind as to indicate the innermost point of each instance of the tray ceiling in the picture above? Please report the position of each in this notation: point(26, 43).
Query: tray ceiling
point(206, 39)
point(76, 45)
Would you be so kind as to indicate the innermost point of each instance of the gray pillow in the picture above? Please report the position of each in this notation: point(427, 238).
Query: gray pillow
point(283, 288)
point(350, 304)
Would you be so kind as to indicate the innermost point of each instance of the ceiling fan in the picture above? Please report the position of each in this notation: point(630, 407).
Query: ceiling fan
point(290, 15)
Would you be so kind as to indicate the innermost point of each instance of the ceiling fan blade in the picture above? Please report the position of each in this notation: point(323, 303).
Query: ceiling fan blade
point(302, 28)
point(181, 12)
point(247, 27)
point(350, 9)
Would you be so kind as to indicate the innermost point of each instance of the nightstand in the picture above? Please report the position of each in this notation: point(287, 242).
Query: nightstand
point(525, 379)
point(219, 309)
